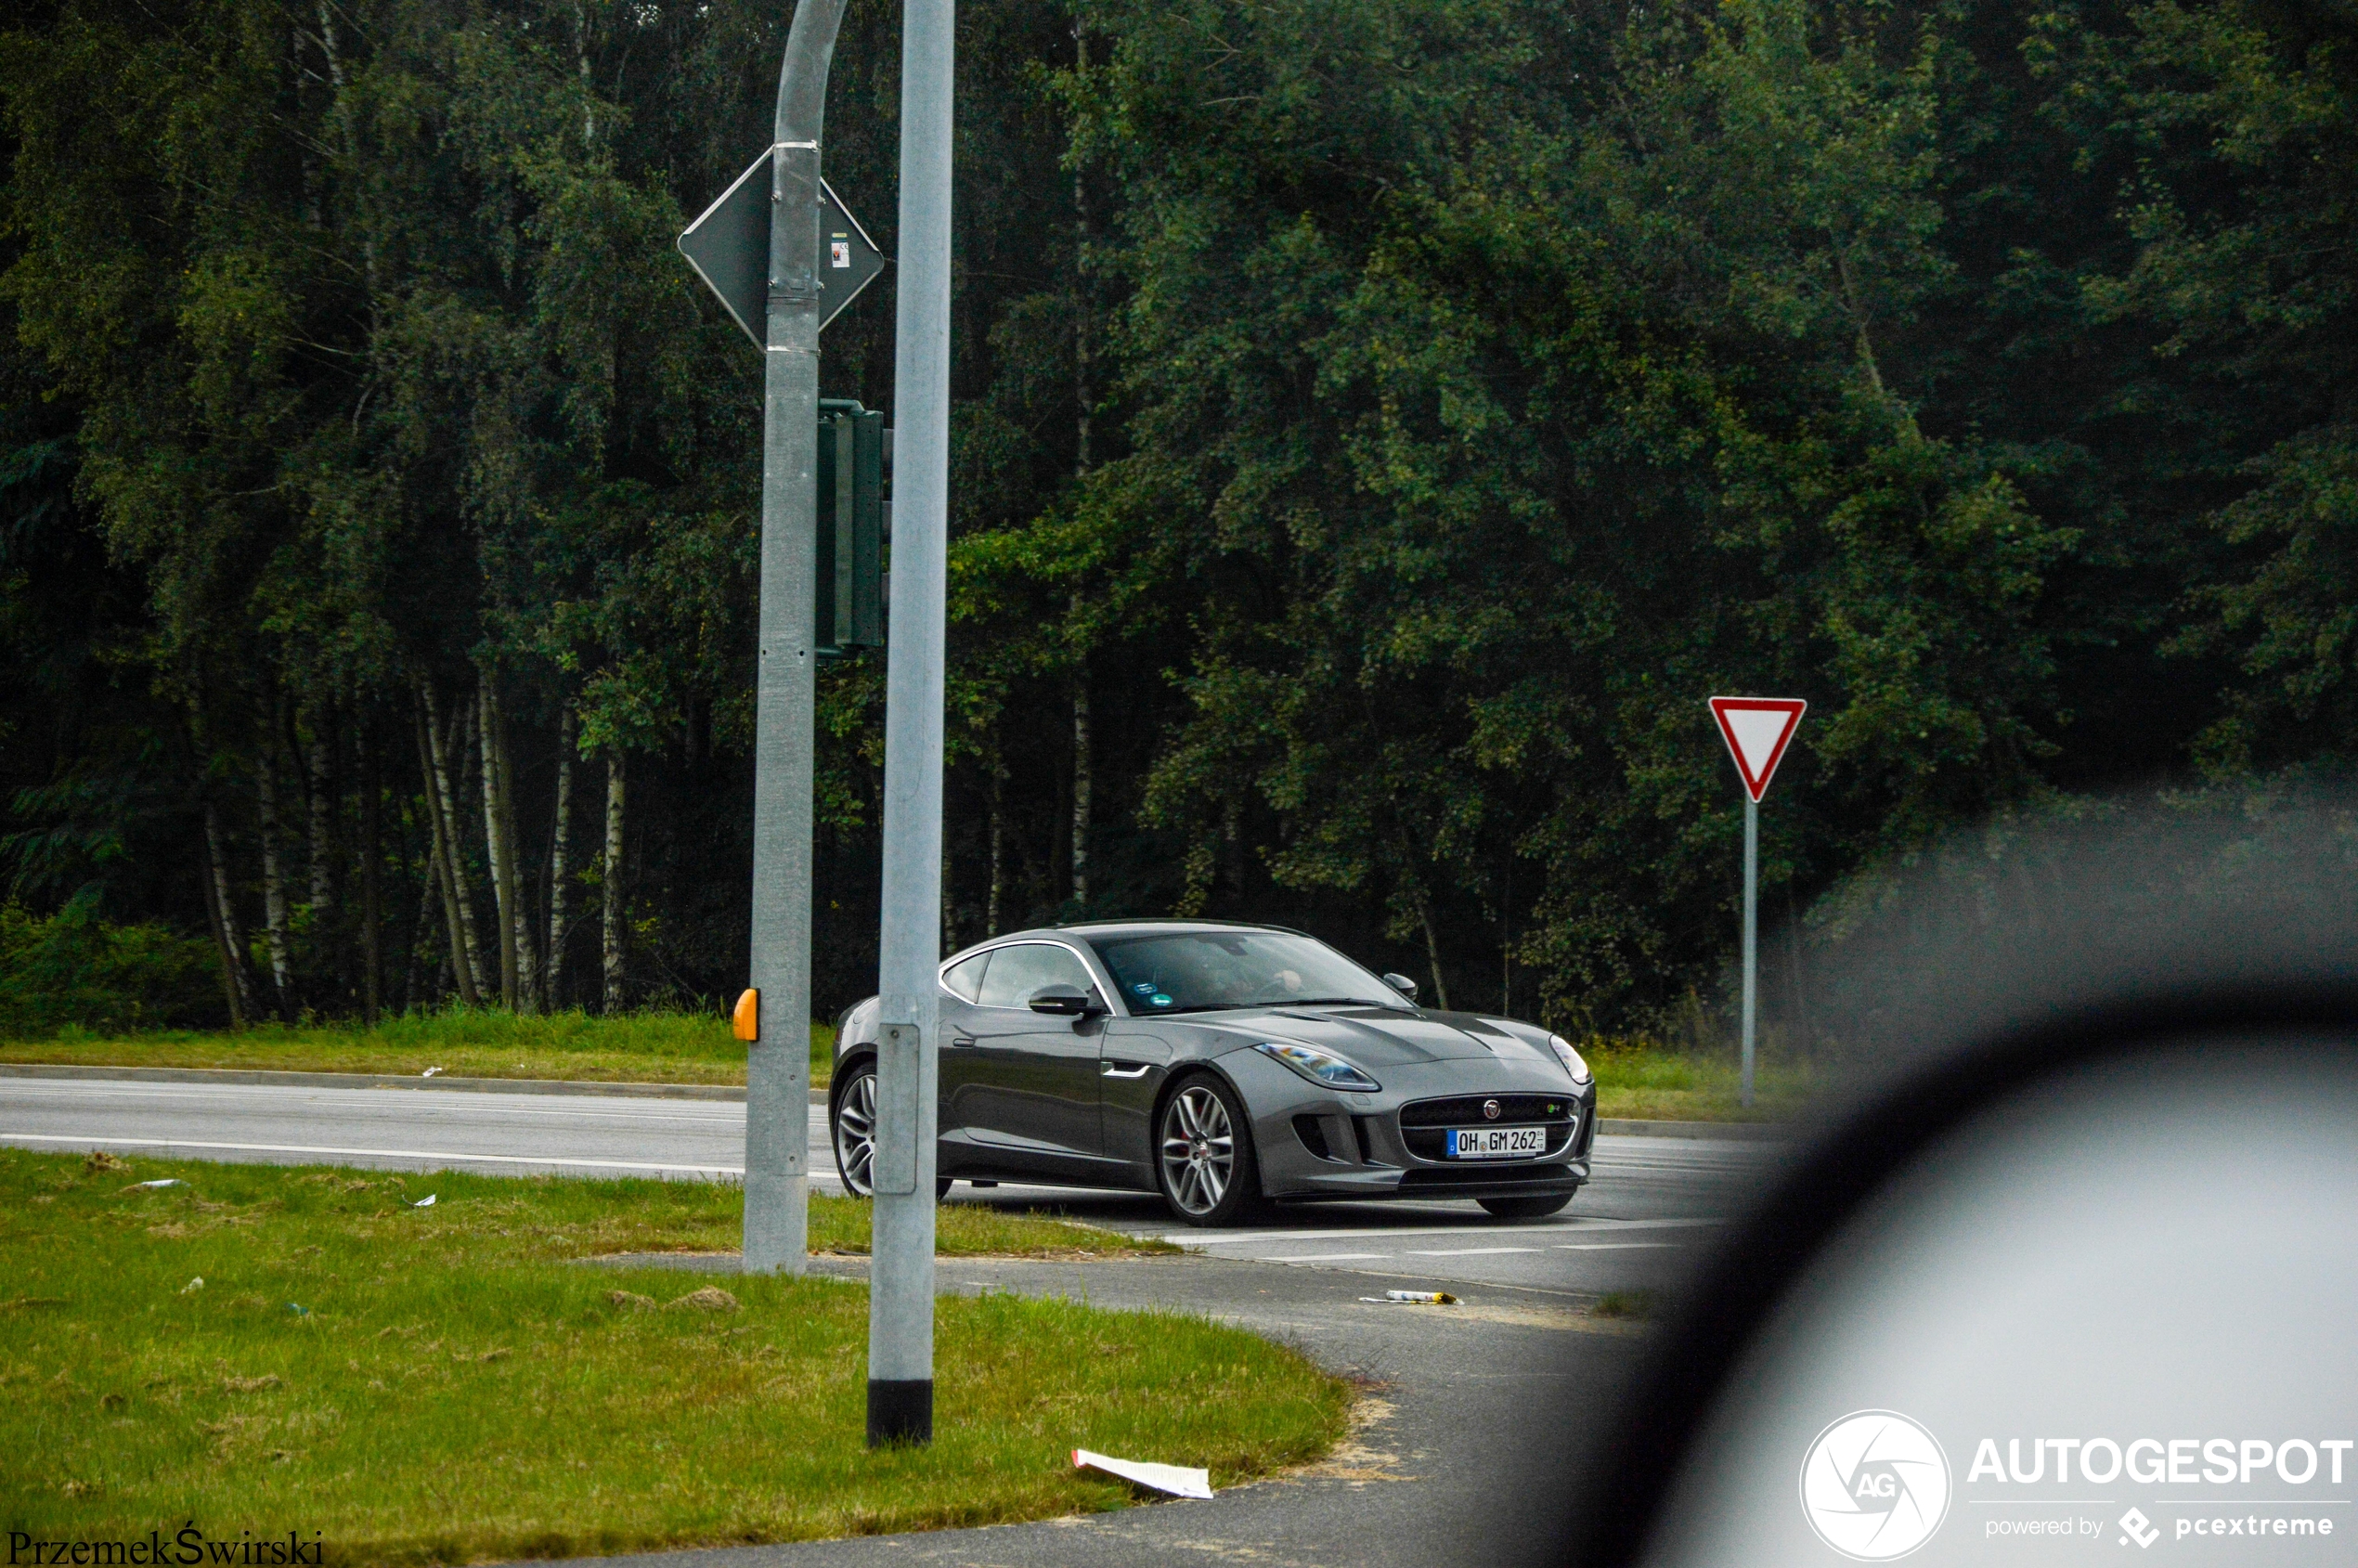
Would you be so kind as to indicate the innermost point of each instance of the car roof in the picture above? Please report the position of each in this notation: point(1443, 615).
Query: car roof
point(1136, 928)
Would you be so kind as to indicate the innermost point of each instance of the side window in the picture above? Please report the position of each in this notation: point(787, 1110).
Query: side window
point(1015, 972)
point(965, 980)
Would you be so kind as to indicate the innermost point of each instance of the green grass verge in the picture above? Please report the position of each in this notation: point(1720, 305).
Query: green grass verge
point(1643, 1082)
point(444, 1385)
point(628, 1047)
point(1636, 1078)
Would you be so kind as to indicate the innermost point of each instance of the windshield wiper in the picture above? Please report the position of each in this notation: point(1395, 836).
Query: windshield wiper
point(1200, 1007)
point(1329, 1002)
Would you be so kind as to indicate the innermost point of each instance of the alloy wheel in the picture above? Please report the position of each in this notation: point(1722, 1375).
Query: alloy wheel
point(856, 1135)
point(1199, 1150)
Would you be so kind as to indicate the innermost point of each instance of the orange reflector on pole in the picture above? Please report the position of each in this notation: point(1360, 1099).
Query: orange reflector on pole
point(747, 1019)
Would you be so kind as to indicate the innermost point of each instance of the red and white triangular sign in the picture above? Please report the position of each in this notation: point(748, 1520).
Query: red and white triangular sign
point(1757, 730)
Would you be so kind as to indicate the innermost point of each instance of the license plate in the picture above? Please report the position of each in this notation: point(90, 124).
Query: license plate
point(1494, 1142)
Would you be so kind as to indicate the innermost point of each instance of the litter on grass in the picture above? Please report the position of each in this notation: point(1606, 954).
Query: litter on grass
point(165, 1181)
point(425, 1202)
point(430, 1072)
point(1413, 1297)
point(196, 1284)
point(298, 1309)
point(1177, 1480)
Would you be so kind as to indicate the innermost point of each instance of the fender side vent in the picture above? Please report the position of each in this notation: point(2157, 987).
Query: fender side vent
point(1312, 1136)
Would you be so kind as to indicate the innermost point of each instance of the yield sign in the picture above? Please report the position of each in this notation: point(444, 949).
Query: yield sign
point(1757, 730)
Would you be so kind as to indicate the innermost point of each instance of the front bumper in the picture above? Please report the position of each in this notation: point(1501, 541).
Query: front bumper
point(1316, 1144)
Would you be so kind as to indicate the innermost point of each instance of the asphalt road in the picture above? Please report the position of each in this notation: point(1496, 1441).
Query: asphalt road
point(1651, 1204)
point(1475, 1413)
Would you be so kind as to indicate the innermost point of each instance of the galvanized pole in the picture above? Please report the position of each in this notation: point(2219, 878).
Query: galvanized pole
point(1752, 933)
point(778, 1064)
point(900, 1278)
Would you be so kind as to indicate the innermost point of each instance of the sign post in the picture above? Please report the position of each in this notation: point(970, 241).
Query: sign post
point(909, 946)
point(759, 249)
point(1757, 730)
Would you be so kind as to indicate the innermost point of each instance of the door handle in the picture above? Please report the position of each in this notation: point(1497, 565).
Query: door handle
point(1109, 1068)
point(961, 1039)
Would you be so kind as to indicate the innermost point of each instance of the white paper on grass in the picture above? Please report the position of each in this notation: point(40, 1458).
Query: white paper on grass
point(1177, 1480)
point(425, 1202)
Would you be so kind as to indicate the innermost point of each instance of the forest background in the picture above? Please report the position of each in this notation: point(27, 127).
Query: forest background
point(1379, 424)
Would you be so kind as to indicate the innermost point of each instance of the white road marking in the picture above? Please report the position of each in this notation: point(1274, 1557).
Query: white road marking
point(1472, 1251)
point(1611, 1246)
point(1324, 1258)
point(1386, 1233)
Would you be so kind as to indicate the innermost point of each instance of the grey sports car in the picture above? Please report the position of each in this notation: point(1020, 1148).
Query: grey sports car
point(1222, 1065)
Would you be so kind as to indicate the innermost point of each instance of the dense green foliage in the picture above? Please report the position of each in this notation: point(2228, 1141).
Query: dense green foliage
point(73, 970)
point(1378, 426)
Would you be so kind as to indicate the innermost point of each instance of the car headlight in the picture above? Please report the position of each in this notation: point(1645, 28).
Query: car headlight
point(1323, 1068)
point(1570, 1057)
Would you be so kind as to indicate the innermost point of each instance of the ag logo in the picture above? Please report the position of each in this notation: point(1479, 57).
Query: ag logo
point(1875, 1486)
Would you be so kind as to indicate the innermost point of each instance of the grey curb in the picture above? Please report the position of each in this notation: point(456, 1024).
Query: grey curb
point(1748, 1130)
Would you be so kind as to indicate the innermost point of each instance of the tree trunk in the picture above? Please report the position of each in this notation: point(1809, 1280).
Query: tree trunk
point(429, 887)
point(1083, 366)
point(560, 864)
point(466, 968)
point(1082, 769)
point(372, 958)
point(320, 779)
point(949, 908)
point(1433, 951)
point(236, 982)
point(512, 876)
point(611, 874)
point(502, 867)
point(274, 882)
point(1424, 910)
point(992, 908)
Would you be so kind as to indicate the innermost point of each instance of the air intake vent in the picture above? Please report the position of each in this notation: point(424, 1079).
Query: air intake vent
point(1312, 1136)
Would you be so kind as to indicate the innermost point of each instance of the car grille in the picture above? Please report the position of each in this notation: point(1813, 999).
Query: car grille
point(1423, 1123)
point(1465, 1110)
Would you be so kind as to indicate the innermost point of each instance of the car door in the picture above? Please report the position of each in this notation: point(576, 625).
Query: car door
point(1027, 1085)
point(961, 1067)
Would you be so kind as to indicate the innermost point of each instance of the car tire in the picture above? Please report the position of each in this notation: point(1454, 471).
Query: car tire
point(1203, 1153)
point(851, 1125)
point(1533, 1208)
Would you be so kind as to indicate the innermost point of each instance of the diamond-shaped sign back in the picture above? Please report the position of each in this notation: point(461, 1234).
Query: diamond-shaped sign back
point(729, 248)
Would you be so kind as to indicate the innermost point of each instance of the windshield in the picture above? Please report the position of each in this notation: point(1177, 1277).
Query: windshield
point(1191, 971)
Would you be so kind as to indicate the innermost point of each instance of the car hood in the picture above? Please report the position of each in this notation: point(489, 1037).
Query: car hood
point(1374, 1037)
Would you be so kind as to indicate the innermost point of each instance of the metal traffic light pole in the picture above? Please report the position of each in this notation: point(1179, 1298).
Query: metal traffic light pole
point(778, 1063)
point(900, 1278)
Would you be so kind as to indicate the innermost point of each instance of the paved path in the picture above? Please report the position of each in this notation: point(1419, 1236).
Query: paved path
point(1474, 1417)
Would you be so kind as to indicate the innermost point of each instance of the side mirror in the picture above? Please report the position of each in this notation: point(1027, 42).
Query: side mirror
point(1067, 1002)
point(1402, 984)
point(1990, 1232)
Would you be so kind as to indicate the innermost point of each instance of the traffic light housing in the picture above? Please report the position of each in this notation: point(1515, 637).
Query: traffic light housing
point(852, 462)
